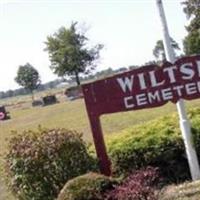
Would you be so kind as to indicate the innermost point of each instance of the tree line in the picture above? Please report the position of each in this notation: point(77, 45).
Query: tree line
point(24, 91)
point(55, 83)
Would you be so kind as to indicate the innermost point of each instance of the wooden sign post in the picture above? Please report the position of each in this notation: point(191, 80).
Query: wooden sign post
point(145, 87)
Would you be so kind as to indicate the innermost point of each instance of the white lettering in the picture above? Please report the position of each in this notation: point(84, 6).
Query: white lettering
point(198, 67)
point(198, 86)
point(167, 94)
point(178, 90)
point(153, 96)
point(141, 99)
point(142, 82)
point(170, 71)
point(154, 82)
point(191, 88)
point(127, 102)
point(125, 84)
point(185, 69)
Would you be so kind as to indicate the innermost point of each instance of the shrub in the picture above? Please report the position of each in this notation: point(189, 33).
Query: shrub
point(157, 143)
point(194, 115)
point(186, 191)
point(141, 185)
point(39, 163)
point(90, 186)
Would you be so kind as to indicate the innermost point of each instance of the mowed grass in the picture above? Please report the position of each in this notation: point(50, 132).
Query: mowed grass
point(70, 115)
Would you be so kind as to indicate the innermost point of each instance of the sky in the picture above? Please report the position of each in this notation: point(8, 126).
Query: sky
point(128, 29)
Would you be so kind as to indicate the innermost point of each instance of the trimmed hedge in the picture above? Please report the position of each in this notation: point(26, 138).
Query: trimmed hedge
point(157, 143)
point(90, 186)
point(39, 163)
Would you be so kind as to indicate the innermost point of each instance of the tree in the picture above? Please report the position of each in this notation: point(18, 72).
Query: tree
point(69, 52)
point(191, 42)
point(192, 11)
point(28, 77)
point(159, 50)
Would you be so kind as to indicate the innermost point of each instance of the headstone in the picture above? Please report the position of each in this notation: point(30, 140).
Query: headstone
point(50, 99)
point(3, 113)
point(73, 93)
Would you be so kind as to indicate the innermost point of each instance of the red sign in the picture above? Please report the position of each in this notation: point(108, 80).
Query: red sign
point(145, 87)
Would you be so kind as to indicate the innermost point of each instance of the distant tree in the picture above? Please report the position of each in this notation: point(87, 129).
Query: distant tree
point(104, 73)
point(150, 62)
point(2, 95)
point(121, 69)
point(191, 42)
point(28, 77)
point(20, 91)
point(159, 50)
point(69, 52)
point(10, 93)
point(133, 67)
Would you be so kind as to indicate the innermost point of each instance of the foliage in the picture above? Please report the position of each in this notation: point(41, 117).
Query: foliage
point(192, 40)
point(69, 52)
point(22, 91)
point(39, 163)
point(157, 143)
point(192, 11)
point(159, 51)
point(72, 115)
point(139, 185)
point(192, 43)
point(87, 187)
point(186, 191)
point(28, 77)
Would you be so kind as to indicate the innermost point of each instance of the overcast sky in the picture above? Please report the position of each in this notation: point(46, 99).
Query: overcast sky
point(129, 30)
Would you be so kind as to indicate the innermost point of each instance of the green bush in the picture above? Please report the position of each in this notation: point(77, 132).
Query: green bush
point(157, 143)
point(90, 186)
point(39, 163)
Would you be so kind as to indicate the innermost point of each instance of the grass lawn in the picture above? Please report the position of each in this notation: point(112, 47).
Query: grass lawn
point(71, 115)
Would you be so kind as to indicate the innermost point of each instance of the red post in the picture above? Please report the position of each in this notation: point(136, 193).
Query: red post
point(105, 164)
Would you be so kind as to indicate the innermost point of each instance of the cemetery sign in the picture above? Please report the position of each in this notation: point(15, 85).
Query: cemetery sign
point(145, 87)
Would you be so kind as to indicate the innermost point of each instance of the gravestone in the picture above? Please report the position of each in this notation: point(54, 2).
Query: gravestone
point(37, 103)
point(74, 92)
point(3, 113)
point(49, 100)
